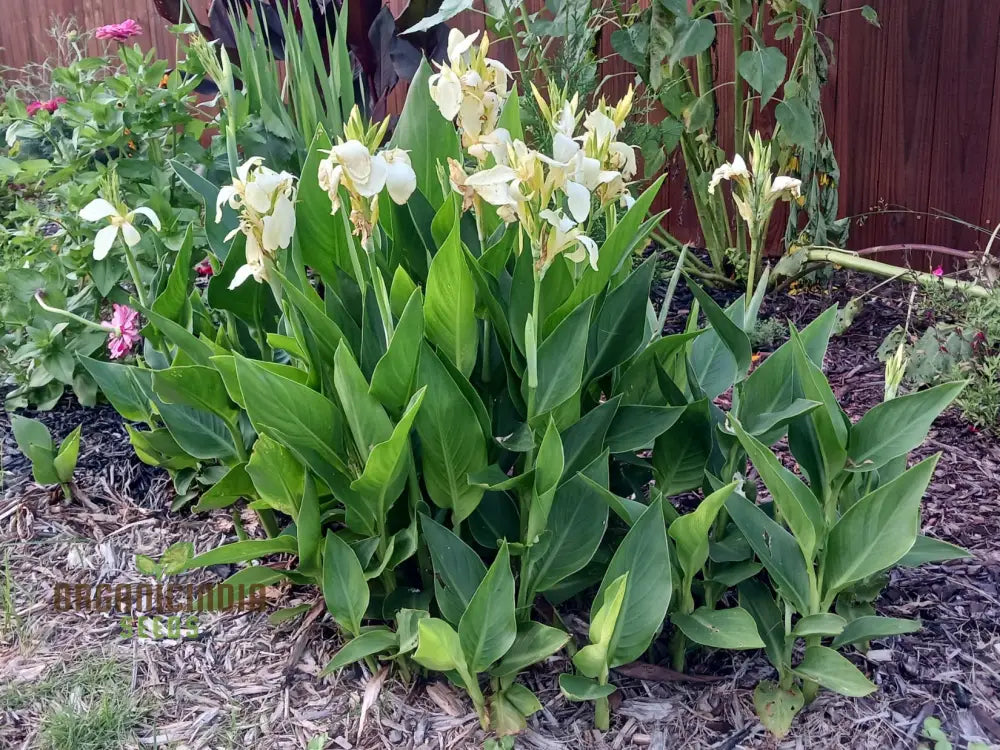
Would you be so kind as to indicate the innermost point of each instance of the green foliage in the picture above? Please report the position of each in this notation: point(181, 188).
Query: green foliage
point(49, 465)
point(442, 419)
point(666, 41)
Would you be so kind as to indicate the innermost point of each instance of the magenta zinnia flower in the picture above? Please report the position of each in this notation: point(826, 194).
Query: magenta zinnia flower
point(123, 330)
point(204, 268)
point(119, 32)
point(49, 106)
point(939, 271)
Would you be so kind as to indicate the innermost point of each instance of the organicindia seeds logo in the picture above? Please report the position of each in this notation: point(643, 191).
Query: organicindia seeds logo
point(174, 607)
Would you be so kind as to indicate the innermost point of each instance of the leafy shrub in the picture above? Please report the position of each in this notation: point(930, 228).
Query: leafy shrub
point(446, 399)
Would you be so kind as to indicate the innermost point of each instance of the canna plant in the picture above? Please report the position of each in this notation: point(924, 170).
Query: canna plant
point(432, 368)
point(49, 465)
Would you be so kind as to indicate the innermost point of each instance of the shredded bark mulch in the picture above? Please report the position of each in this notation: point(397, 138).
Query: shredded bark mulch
point(244, 682)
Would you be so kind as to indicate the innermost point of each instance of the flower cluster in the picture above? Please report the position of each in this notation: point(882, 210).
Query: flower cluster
point(265, 202)
point(50, 105)
point(552, 197)
point(119, 32)
point(471, 89)
point(363, 171)
point(755, 191)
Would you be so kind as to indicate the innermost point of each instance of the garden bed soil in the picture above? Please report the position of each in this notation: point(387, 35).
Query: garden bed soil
point(244, 682)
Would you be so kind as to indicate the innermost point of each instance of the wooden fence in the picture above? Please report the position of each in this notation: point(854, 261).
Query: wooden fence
point(913, 108)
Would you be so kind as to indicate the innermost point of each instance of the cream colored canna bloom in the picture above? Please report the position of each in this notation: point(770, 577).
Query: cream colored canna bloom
point(786, 187)
point(471, 89)
point(735, 170)
point(364, 173)
point(560, 234)
point(120, 218)
point(265, 202)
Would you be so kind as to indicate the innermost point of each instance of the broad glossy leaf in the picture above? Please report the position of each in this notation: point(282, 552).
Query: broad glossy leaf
point(895, 427)
point(278, 477)
point(449, 311)
point(533, 643)
point(429, 138)
point(309, 531)
point(488, 627)
point(368, 643)
point(878, 530)
point(64, 462)
point(345, 589)
point(618, 330)
point(823, 624)
point(365, 416)
point(195, 386)
point(764, 69)
point(452, 442)
point(797, 504)
point(776, 549)
point(758, 600)
point(385, 471)
point(834, 672)
point(296, 416)
point(592, 660)
point(119, 386)
point(721, 356)
point(681, 453)
point(731, 628)
point(438, 647)
point(871, 628)
point(578, 688)
point(236, 484)
point(636, 426)
point(644, 556)
point(928, 550)
point(690, 532)
point(392, 380)
point(548, 471)
point(458, 570)
point(561, 360)
point(172, 302)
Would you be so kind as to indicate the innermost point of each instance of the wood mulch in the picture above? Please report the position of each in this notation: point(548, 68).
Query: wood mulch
point(244, 682)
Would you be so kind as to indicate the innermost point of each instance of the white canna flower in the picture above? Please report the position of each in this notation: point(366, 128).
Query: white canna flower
point(401, 180)
point(563, 235)
point(265, 201)
point(471, 89)
point(121, 219)
point(493, 185)
point(785, 187)
point(735, 170)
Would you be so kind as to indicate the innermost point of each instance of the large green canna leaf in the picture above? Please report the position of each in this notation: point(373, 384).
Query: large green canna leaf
point(172, 302)
point(640, 383)
point(344, 587)
point(120, 387)
point(302, 420)
point(392, 380)
point(64, 462)
point(576, 525)
point(368, 643)
point(561, 360)
point(776, 549)
point(533, 643)
point(449, 311)
point(636, 426)
point(643, 555)
point(239, 552)
point(195, 386)
point(548, 471)
point(896, 427)
point(721, 357)
point(756, 599)
point(618, 330)
point(869, 628)
point(309, 529)
point(797, 504)
point(834, 672)
point(877, 531)
point(385, 471)
point(731, 628)
point(458, 571)
point(368, 422)
point(926, 550)
point(690, 533)
point(226, 365)
point(430, 139)
point(592, 660)
point(488, 627)
point(438, 646)
point(207, 192)
point(681, 453)
point(236, 484)
point(452, 441)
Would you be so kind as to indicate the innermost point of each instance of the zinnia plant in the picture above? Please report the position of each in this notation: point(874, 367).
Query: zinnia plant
point(118, 32)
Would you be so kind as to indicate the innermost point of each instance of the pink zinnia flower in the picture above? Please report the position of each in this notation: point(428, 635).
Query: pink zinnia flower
point(939, 271)
point(49, 106)
point(124, 330)
point(204, 268)
point(119, 32)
